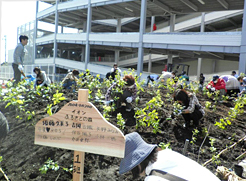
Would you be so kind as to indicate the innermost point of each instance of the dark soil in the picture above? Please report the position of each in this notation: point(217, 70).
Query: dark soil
point(22, 158)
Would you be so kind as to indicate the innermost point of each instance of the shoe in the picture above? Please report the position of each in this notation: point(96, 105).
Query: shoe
point(128, 110)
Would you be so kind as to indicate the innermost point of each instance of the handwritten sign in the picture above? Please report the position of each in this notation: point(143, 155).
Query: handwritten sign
point(80, 126)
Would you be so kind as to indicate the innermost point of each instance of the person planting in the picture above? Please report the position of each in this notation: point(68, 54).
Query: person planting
point(232, 85)
point(129, 92)
point(217, 84)
point(242, 82)
point(192, 108)
point(41, 78)
point(70, 79)
point(148, 160)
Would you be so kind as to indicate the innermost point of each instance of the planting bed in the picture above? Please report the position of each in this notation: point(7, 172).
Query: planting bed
point(22, 159)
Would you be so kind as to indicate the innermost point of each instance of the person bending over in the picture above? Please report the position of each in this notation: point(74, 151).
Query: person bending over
point(148, 160)
point(129, 92)
point(70, 79)
point(152, 78)
point(242, 82)
point(217, 84)
point(192, 108)
point(41, 78)
point(232, 85)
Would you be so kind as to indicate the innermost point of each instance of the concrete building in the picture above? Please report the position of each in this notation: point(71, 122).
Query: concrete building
point(206, 35)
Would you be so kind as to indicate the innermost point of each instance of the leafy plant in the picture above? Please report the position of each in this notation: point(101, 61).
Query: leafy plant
point(57, 98)
point(120, 121)
point(148, 116)
point(51, 165)
point(212, 148)
point(194, 136)
point(165, 145)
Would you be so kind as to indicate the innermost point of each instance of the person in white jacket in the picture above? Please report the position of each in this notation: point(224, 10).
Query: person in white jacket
point(41, 78)
point(160, 165)
point(232, 85)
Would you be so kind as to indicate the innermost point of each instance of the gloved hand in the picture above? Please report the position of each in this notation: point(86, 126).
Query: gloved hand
point(209, 86)
point(212, 89)
point(129, 99)
point(20, 67)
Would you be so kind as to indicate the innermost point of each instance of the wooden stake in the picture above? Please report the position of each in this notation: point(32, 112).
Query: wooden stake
point(79, 157)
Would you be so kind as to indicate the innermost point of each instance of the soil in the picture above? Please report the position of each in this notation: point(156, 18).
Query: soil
point(22, 158)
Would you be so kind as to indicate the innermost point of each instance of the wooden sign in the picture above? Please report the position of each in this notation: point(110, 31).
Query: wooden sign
point(80, 126)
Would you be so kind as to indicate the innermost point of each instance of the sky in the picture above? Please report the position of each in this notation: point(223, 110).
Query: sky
point(14, 14)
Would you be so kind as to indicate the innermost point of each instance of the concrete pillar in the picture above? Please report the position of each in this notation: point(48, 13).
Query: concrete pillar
point(55, 43)
point(172, 22)
point(83, 54)
point(62, 29)
point(141, 32)
point(87, 45)
point(199, 64)
point(172, 28)
point(84, 26)
point(117, 52)
point(56, 31)
point(242, 57)
point(35, 34)
point(151, 30)
point(68, 55)
point(214, 66)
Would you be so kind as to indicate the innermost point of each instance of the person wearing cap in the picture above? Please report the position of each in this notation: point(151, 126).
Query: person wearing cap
point(234, 73)
point(217, 84)
point(192, 108)
point(232, 85)
point(142, 158)
point(129, 92)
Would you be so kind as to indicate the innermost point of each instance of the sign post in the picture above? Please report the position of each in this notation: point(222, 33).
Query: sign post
point(80, 126)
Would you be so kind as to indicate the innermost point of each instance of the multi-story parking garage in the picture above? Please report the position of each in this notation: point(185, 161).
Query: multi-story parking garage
point(207, 34)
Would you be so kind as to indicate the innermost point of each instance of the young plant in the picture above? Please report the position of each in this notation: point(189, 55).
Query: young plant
point(212, 148)
point(51, 165)
point(120, 121)
point(165, 145)
point(194, 136)
point(57, 98)
point(148, 116)
point(1, 170)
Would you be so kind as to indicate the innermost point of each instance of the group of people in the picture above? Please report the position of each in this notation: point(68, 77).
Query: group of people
point(141, 157)
point(228, 85)
point(183, 77)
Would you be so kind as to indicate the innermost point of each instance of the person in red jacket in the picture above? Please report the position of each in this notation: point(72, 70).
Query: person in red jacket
point(217, 84)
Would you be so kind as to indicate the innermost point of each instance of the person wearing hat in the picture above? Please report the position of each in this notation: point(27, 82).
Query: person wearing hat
point(217, 84)
point(129, 92)
point(146, 159)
